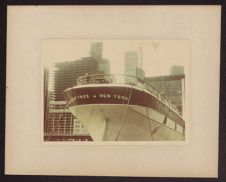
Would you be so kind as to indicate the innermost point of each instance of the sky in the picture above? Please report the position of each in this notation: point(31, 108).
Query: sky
point(158, 54)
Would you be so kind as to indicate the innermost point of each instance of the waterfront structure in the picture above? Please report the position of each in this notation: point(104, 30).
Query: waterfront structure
point(65, 126)
point(171, 86)
point(64, 76)
point(62, 125)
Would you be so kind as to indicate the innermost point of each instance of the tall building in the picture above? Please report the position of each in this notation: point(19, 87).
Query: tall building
point(104, 65)
point(131, 67)
point(171, 86)
point(65, 126)
point(66, 73)
point(176, 70)
point(96, 51)
point(131, 63)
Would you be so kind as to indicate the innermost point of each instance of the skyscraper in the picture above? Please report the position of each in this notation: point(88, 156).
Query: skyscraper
point(131, 67)
point(131, 63)
point(96, 51)
point(104, 65)
point(66, 73)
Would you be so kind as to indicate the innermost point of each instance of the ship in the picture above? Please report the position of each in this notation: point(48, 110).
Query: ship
point(123, 108)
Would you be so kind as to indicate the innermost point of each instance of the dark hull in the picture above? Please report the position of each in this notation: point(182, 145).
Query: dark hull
point(119, 95)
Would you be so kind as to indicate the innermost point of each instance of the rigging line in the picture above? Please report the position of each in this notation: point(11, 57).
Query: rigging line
point(124, 102)
point(149, 124)
point(108, 118)
point(148, 119)
point(125, 95)
point(66, 106)
point(122, 112)
point(59, 118)
point(124, 116)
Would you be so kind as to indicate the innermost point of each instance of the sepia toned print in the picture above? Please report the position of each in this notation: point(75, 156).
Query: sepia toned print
point(114, 89)
point(44, 36)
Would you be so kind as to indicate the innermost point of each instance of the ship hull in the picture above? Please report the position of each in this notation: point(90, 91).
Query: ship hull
point(122, 123)
point(108, 117)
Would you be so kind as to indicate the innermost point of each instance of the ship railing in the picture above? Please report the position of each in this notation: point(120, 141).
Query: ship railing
point(125, 79)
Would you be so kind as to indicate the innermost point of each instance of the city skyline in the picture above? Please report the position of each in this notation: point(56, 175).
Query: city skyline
point(157, 55)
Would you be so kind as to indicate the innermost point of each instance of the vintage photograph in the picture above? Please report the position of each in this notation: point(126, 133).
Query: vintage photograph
point(114, 89)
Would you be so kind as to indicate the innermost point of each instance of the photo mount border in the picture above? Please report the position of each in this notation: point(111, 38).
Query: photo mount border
point(222, 114)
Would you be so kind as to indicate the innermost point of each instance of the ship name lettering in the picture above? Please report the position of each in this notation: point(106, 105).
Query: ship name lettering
point(120, 97)
point(84, 96)
point(105, 95)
